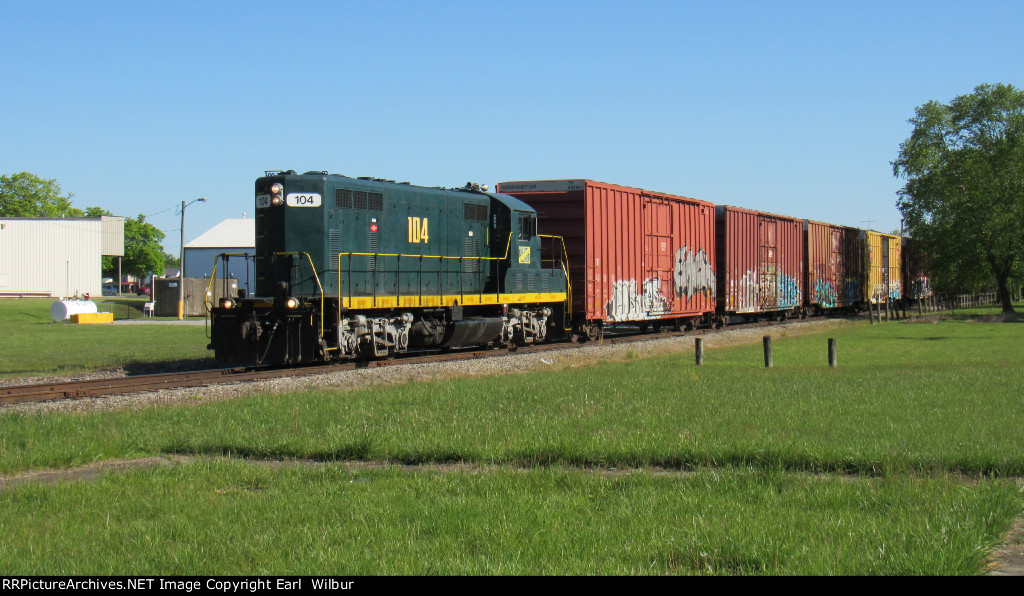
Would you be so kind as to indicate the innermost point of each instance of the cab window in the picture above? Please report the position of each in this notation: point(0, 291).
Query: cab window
point(527, 226)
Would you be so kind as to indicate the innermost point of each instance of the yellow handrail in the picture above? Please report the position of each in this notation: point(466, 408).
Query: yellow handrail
point(209, 287)
point(385, 254)
point(565, 270)
point(320, 287)
point(508, 247)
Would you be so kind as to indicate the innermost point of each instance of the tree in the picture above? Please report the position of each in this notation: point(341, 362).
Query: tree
point(964, 192)
point(27, 195)
point(143, 253)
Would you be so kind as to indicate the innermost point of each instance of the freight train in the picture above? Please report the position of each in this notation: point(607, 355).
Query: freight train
point(369, 268)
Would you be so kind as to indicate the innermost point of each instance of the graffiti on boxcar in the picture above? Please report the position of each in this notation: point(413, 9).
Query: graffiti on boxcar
point(788, 292)
point(852, 286)
point(894, 292)
point(920, 287)
point(694, 273)
point(825, 294)
point(743, 294)
point(630, 303)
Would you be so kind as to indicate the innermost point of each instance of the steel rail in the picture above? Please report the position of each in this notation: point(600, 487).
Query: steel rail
point(93, 388)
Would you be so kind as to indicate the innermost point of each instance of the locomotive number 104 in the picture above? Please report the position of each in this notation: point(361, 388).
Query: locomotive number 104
point(418, 230)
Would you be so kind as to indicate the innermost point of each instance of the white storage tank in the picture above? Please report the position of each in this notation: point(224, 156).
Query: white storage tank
point(63, 309)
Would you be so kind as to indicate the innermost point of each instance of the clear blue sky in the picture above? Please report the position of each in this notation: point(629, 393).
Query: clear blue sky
point(790, 107)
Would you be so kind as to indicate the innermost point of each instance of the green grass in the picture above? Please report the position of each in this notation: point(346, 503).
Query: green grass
point(237, 519)
point(904, 460)
point(946, 397)
point(31, 344)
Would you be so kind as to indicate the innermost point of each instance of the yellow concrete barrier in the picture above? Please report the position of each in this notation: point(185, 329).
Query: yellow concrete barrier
point(92, 317)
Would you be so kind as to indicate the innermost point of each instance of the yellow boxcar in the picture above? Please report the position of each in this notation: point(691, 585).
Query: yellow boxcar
point(885, 280)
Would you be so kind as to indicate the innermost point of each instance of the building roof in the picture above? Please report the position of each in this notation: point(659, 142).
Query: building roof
point(230, 233)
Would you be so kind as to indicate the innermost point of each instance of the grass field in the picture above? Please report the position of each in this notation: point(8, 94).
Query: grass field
point(905, 459)
point(241, 519)
point(31, 344)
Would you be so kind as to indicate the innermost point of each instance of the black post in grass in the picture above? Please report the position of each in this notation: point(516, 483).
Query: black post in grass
point(767, 351)
point(698, 344)
point(832, 352)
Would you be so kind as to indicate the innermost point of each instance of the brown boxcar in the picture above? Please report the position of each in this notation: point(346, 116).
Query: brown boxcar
point(760, 263)
point(835, 267)
point(916, 284)
point(634, 255)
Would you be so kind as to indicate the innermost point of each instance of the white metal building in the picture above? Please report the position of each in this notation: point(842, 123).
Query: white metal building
point(57, 257)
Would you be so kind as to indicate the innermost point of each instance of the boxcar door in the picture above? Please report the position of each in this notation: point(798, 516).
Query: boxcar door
point(768, 274)
point(836, 267)
point(659, 265)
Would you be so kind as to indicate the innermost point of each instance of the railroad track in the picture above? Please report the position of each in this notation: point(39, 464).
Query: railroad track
point(43, 392)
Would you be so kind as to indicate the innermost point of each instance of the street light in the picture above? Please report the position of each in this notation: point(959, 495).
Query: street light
point(181, 262)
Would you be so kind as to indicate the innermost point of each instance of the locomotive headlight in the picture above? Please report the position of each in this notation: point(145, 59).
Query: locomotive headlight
point(227, 303)
point(291, 303)
point(277, 190)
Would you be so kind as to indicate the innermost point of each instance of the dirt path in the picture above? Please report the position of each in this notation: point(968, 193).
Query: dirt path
point(1009, 559)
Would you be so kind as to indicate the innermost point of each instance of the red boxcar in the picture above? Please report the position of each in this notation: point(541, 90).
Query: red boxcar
point(634, 255)
point(760, 263)
point(835, 267)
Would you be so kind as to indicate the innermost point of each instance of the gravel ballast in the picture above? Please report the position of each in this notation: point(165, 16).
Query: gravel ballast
point(571, 356)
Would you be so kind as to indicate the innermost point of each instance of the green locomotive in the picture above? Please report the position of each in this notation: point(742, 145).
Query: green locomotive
point(367, 268)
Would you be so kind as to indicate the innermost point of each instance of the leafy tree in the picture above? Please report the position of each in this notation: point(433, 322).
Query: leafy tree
point(27, 195)
point(96, 212)
point(964, 191)
point(143, 253)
